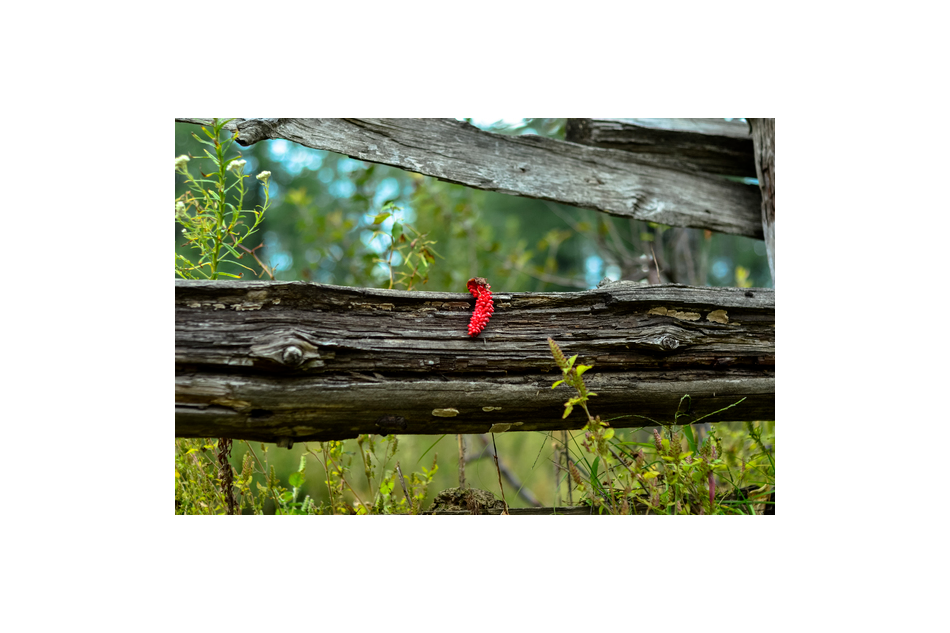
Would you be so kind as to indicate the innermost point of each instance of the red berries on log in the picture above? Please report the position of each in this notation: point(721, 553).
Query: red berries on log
point(484, 307)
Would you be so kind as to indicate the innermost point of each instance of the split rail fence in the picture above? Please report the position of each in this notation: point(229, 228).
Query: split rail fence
point(291, 361)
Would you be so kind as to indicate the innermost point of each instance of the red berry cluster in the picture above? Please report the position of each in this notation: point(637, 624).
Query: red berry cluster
point(484, 307)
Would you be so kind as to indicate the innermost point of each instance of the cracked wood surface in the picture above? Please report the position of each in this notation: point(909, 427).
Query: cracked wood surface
point(295, 361)
point(711, 146)
point(607, 180)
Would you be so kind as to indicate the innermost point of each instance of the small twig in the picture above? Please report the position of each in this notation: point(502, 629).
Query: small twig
point(342, 479)
point(326, 469)
point(523, 492)
point(266, 269)
point(656, 264)
point(505, 501)
point(461, 441)
point(405, 490)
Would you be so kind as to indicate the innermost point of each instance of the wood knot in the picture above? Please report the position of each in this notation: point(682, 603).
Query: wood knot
point(669, 342)
point(292, 356)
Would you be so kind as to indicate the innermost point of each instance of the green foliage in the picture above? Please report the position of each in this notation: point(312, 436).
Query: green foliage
point(572, 377)
point(415, 253)
point(675, 474)
point(211, 213)
point(384, 497)
point(453, 215)
point(258, 489)
point(198, 489)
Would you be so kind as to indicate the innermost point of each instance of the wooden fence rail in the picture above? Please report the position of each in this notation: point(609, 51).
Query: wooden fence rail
point(643, 185)
point(294, 361)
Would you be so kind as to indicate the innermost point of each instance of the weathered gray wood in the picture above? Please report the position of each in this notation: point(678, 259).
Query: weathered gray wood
point(763, 135)
point(709, 146)
point(303, 361)
point(611, 181)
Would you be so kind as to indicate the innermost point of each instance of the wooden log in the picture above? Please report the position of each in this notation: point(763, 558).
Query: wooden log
point(763, 135)
point(294, 361)
point(710, 146)
point(607, 180)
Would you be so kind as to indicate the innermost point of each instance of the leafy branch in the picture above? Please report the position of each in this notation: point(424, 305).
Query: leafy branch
point(211, 212)
point(618, 476)
point(572, 377)
point(415, 253)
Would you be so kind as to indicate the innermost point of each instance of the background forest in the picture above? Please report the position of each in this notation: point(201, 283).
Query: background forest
point(335, 220)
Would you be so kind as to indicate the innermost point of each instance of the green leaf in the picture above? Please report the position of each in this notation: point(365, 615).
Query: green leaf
point(719, 411)
point(609, 433)
point(570, 361)
point(231, 250)
point(556, 384)
point(582, 368)
point(397, 230)
point(430, 448)
point(690, 439)
point(201, 140)
point(568, 407)
point(381, 217)
point(296, 479)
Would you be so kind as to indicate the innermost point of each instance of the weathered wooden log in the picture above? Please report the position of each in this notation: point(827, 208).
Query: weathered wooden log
point(607, 180)
point(294, 361)
point(763, 135)
point(703, 146)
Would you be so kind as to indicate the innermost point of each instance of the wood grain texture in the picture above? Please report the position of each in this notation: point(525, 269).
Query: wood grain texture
point(304, 361)
point(606, 180)
point(763, 135)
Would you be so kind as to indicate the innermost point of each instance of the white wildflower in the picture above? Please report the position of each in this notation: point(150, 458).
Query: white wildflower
point(237, 165)
point(181, 162)
point(264, 176)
